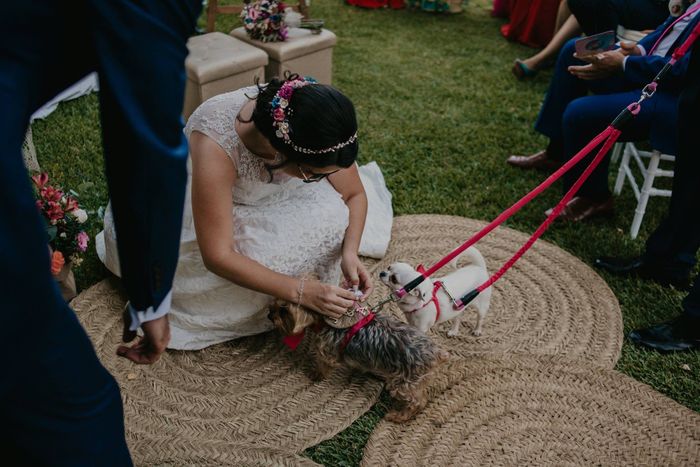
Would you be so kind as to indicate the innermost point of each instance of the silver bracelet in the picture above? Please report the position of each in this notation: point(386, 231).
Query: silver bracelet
point(300, 290)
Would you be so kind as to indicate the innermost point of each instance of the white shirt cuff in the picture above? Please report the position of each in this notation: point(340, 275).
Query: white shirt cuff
point(624, 62)
point(642, 50)
point(139, 317)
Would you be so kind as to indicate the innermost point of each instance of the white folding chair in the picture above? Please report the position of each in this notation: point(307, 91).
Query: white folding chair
point(649, 173)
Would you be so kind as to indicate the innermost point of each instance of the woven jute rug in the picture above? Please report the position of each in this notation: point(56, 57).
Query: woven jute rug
point(487, 411)
point(233, 403)
point(200, 454)
point(548, 303)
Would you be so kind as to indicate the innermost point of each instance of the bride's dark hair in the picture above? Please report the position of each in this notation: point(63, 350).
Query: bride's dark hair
point(321, 117)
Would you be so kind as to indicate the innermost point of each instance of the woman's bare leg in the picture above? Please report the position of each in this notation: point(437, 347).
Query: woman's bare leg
point(569, 29)
point(563, 14)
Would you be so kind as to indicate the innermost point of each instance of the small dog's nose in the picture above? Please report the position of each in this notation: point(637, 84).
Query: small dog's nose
point(383, 274)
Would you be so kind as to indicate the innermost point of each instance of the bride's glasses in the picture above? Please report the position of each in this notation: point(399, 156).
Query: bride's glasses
point(311, 177)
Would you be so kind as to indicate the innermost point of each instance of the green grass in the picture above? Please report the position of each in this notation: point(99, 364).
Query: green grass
point(439, 111)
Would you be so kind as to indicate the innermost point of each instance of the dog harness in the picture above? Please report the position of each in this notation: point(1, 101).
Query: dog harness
point(355, 328)
point(437, 285)
point(294, 340)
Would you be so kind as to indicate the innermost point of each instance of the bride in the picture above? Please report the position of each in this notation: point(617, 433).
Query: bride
point(274, 198)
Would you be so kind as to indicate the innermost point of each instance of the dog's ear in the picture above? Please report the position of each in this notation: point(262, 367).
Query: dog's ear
point(295, 319)
point(424, 290)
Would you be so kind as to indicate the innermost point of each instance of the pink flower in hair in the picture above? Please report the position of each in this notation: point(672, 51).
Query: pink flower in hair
point(278, 114)
point(286, 91)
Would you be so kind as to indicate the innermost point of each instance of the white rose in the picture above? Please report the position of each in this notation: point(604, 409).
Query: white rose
point(80, 215)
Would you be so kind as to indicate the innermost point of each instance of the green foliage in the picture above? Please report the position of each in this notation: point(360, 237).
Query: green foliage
point(439, 111)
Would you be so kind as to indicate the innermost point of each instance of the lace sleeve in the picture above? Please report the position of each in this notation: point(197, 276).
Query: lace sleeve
point(215, 118)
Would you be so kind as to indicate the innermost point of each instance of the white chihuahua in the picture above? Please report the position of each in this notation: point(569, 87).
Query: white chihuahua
point(429, 304)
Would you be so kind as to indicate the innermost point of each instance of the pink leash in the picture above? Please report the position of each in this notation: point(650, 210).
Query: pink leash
point(607, 137)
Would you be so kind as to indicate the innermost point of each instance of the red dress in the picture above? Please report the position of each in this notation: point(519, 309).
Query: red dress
point(394, 4)
point(531, 21)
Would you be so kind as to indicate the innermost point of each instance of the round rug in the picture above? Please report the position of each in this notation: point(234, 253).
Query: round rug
point(549, 303)
point(486, 411)
point(250, 392)
point(151, 452)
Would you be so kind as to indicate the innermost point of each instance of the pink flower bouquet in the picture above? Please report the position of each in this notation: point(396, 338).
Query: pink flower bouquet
point(264, 20)
point(64, 218)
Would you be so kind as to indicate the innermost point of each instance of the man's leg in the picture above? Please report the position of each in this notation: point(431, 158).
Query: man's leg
point(678, 236)
point(583, 120)
point(58, 405)
point(563, 89)
point(588, 116)
point(679, 334)
point(597, 16)
point(640, 15)
point(141, 53)
point(672, 248)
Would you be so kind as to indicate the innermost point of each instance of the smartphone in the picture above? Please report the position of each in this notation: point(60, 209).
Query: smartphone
point(594, 44)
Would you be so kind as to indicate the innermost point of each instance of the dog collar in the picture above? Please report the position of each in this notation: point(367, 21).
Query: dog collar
point(355, 329)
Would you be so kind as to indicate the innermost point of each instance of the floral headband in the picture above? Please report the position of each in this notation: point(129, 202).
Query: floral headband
point(279, 107)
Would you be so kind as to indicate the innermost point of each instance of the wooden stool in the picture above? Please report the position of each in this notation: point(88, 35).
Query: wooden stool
point(218, 63)
point(303, 53)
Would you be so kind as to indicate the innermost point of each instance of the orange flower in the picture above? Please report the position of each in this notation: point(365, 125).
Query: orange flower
point(57, 262)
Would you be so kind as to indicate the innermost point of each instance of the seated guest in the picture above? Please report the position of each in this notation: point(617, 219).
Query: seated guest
point(570, 117)
point(592, 17)
point(671, 251)
point(596, 16)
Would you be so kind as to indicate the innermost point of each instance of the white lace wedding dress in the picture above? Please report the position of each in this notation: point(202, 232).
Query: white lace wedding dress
point(286, 225)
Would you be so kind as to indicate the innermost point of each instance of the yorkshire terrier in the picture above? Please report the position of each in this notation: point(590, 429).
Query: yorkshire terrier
point(385, 347)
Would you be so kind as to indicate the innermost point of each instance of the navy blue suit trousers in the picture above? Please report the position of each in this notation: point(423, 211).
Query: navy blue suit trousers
point(58, 405)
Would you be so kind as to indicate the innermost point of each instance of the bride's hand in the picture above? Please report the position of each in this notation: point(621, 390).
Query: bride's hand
point(326, 299)
point(356, 275)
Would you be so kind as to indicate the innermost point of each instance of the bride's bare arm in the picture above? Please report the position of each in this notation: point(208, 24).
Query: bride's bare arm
point(213, 178)
point(347, 182)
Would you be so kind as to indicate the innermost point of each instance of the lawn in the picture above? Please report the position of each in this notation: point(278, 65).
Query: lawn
point(439, 111)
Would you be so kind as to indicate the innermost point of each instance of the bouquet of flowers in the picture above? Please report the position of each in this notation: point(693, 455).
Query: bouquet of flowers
point(264, 20)
point(64, 219)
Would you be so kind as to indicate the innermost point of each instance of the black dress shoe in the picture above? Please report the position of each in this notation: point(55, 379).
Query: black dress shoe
point(683, 333)
point(664, 274)
point(540, 161)
point(581, 208)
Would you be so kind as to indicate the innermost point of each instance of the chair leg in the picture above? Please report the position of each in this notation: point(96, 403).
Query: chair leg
point(617, 150)
point(649, 176)
point(621, 169)
point(212, 10)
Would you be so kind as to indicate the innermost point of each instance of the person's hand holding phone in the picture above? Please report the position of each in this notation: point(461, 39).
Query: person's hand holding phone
point(599, 66)
point(629, 48)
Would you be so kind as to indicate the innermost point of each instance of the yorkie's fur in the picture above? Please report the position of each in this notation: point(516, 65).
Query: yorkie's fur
point(394, 351)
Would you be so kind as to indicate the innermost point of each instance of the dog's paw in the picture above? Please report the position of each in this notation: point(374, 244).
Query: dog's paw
point(400, 416)
point(317, 376)
point(476, 332)
point(452, 333)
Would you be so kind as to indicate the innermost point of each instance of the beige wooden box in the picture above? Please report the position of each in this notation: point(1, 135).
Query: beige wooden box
point(219, 63)
point(303, 53)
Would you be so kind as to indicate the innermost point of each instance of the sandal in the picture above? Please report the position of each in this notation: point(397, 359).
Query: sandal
point(522, 71)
